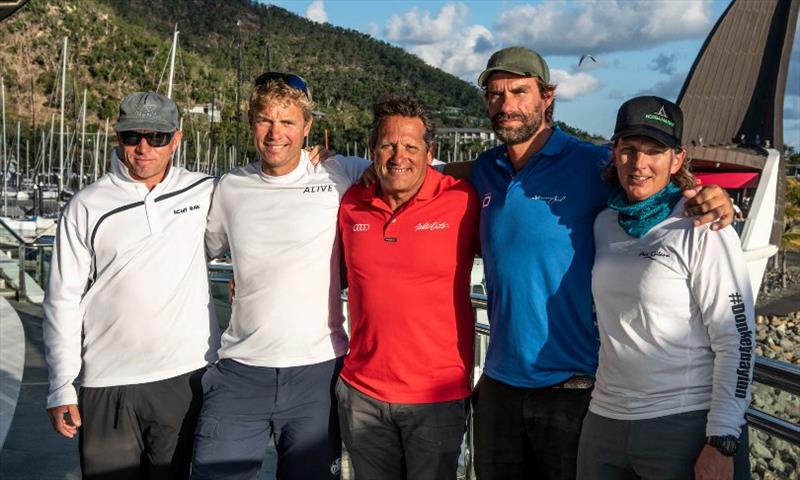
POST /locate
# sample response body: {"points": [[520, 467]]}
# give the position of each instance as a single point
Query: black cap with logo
{"points": [[652, 117]]}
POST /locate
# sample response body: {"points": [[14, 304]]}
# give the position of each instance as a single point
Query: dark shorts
{"points": [[656, 448], [139, 431], [243, 406], [397, 441], [522, 433]]}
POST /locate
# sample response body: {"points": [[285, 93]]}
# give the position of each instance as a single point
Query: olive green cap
{"points": [[517, 60]]}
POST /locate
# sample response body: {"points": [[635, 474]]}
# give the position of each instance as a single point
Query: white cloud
{"points": [[602, 26], [443, 40], [573, 85], [418, 28], [463, 55], [316, 12], [372, 29]]}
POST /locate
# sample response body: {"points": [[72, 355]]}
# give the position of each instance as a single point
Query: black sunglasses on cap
{"points": [[295, 81], [132, 138]]}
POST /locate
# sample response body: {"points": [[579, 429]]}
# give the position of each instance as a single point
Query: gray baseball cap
{"points": [[147, 111], [517, 60]]}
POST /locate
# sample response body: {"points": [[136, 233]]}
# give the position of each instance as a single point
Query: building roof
{"points": [[734, 91]]}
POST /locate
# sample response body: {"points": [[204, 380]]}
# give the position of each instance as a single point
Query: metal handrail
{"points": [[781, 375], [22, 246], [13, 233]]}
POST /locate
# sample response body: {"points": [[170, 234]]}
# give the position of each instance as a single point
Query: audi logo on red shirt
{"points": [[361, 227]]}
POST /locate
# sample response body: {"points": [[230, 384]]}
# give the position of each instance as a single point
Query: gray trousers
{"points": [[397, 441], [653, 449]]}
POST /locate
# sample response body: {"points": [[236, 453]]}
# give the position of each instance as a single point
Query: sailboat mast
{"points": [[96, 154], [5, 157], [61, 128], [105, 148], [172, 61], [18, 158], [83, 141]]}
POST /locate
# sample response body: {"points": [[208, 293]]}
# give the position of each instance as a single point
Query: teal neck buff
{"points": [[639, 217]]}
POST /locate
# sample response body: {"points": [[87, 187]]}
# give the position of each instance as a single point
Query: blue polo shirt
{"points": [[538, 251]]}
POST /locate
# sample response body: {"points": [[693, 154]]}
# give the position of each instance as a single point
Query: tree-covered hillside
{"points": [[118, 46]]}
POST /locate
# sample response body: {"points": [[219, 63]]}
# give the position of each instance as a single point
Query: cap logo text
{"points": [[660, 116]]}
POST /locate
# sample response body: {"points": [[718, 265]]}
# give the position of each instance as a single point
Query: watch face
{"points": [[727, 444]]}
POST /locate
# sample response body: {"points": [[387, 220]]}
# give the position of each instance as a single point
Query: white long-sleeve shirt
{"points": [[675, 315], [128, 297], [284, 244]]}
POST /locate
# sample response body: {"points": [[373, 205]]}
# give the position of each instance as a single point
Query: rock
{"points": [[760, 450], [786, 345], [777, 464]]}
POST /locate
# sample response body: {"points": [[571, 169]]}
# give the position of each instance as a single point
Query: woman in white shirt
{"points": [[675, 314]]}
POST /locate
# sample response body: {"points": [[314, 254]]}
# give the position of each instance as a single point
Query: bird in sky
{"points": [[586, 56]]}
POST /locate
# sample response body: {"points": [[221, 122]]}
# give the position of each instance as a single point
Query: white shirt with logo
{"points": [[127, 298], [675, 315], [283, 238]]}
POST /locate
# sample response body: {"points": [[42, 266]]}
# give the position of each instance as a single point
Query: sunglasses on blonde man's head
{"points": [[132, 138], [295, 81]]}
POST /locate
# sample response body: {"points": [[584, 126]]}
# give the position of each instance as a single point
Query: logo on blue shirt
{"points": [[550, 199]]}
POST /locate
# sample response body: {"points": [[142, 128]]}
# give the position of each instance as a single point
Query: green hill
{"points": [[118, 46]]}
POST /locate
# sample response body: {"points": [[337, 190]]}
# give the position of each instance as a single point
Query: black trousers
{"points": [[401, 441], [523, 433], [142, 431]]}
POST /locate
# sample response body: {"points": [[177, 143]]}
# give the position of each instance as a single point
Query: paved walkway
{"points": [[32, 449], [12, 364]]}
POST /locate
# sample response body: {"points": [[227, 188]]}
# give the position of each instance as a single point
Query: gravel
{"points": [[778, 338]]}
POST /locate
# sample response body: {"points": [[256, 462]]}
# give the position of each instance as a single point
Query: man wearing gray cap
{"points": [[128, 304], [540, 192]]}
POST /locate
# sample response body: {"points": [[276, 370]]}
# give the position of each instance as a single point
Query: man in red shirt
{"points": [[409, 241]]}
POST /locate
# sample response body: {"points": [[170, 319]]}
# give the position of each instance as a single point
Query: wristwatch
{"points": [[726, 444]]}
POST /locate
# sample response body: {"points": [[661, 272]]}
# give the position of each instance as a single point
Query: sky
{"points": [[641, 46]]}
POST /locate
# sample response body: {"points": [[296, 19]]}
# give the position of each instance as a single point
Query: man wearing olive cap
{"points": [[128, 304], [540, 192]]}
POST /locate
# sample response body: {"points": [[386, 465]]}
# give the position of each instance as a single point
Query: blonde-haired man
{"points": [[282, 351]]}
